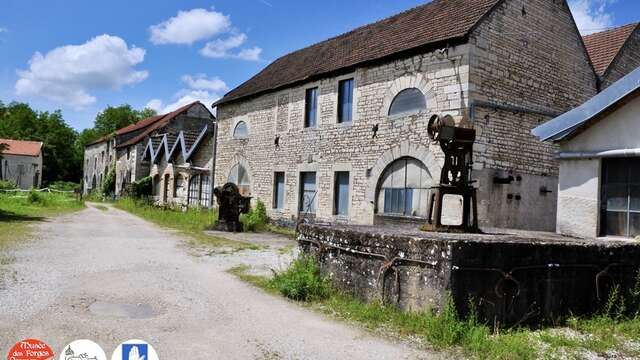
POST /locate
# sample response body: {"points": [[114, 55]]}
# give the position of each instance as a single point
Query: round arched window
{"points": [[241, 131], [408, 101], [403, 188], [239, 176]]}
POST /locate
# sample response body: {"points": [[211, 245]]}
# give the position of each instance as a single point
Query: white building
{"points": [[21, 163], [599, 142]]}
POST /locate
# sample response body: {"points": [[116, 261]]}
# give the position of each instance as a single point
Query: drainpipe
{"points": [[598, 154]]}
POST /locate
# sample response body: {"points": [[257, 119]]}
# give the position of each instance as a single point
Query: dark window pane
{"points": [[341, 193], [345, 101], [310, 105], [308, 192], [278, 190], [616, 196], [616, 171], [634, 224], [408, 202], [634, 197], [408, 101], [616, 223]]}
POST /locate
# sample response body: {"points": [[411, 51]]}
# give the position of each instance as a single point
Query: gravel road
{"points": [[109, 276]]}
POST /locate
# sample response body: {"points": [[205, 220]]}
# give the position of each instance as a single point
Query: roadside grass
{"points": [[280, 230], [603, 334], [19, 210], [192, 222]]}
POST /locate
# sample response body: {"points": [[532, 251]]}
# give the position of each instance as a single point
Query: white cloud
{"points": [[591, 15], [2, 29], [200, 82], [68, 73], [221, 48], [190, 26], [199, 88]]}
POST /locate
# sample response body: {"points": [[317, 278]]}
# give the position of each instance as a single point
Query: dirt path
{"points": [[109, 276]]}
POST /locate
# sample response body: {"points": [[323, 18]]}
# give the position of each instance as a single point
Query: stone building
{"points": [[338, 130], [126, 148], [180, 155], [614, 53], [599, 162], [99, 158], [21, 163]]}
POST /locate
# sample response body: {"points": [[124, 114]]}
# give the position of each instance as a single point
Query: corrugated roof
{"points": [[22, 147], [571, 122], [432, 23], [158, 122], [603, 47]]}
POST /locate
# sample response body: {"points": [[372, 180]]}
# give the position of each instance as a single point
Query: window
{"points": [[194, 191], [311, 107], [345, 101], [205, 191], [241, 131], [239, 176], [178, 187], [156, 185], [308, 192], [341, 193], [128, 152], [404, 188], [621, 197], [278, 190], [408, 101]]}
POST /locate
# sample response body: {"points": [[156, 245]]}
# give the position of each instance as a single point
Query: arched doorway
{"points": [[240, 176], [403, 189]]}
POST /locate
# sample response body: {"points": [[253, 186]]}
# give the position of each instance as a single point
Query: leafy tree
{"points": [[109, 183], [114, 118]]}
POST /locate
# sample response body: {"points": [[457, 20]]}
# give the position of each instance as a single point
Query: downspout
{"points": [[213, 162]]}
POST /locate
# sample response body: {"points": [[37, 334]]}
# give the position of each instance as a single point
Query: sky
{"points": [[81, 56]]}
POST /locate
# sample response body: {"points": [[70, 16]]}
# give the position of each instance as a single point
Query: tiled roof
{"points": [[21, 147], [154, 123], [428, 24], [604, 46], [139, 125]]}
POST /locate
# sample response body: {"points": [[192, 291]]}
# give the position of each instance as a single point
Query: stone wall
{"points": [[129, 166], [24, 171], [334, 147], [627, 60], [527, 64], [98, 159]]}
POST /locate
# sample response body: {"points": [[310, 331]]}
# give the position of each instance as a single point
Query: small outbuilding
{"points": [[599, 154], [21, 163]]}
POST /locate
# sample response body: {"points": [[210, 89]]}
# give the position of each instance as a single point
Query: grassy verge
{"points": [[191, 223], [19, 210], [603, 335]]}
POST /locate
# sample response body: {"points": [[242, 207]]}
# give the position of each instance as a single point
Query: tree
{"points": [[114, 118]]}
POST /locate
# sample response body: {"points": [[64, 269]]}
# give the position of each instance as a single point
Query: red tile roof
{"points": [[428, 24], [21, 147], [139, 125], [604, 46], [153, 123]]}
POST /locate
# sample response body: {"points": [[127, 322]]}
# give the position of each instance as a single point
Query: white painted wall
{"points": [[22, 170], [579, 185]]}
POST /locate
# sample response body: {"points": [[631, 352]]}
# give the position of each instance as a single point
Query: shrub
{"points": [[142, 188], [256, 219], [7, 185], [35, 197], [109, 183], [64, 186], [302, 281]]}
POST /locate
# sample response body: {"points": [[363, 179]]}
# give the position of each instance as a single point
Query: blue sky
{"points": [[80, 56]]}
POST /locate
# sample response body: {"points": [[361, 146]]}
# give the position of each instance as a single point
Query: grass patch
{"points": [[284, 231], [192, 222], [101, 207], [602, 334], [19, 210]]}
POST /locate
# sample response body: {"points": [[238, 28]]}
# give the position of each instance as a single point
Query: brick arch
{"points": [[417, 81], [404, 149]]}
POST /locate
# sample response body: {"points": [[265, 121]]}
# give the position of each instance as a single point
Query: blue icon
{"points": [[135, 351]]}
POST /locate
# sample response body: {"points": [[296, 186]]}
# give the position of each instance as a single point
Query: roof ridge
{"points": [[632, 24]]}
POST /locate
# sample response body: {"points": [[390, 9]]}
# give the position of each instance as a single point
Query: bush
{"points": [[302, 281], [256, 219], [142, 188], [109, 183], [7, 185], [35, 197], [64, 186]]}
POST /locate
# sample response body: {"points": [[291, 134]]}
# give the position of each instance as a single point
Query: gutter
{"points": [[573, 155]]}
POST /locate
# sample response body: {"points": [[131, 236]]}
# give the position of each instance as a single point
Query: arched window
{"points": [[404, 188], [408, 101], [239, 176], [156, 185], [241, 131]]}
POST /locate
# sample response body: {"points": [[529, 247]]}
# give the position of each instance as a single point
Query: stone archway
{"points": [[240, 161], [417, 81], [404, 149]]}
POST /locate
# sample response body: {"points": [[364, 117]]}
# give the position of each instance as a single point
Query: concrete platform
{"points": [[511, 277]]}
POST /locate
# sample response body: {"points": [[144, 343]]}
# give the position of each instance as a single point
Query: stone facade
{"points": [[129, 165], [22, 170], [627, 60], [502, 85], [99, 157]]}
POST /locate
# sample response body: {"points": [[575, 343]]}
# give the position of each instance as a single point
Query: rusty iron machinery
{"points": [[230, 205], [457, 145]]}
